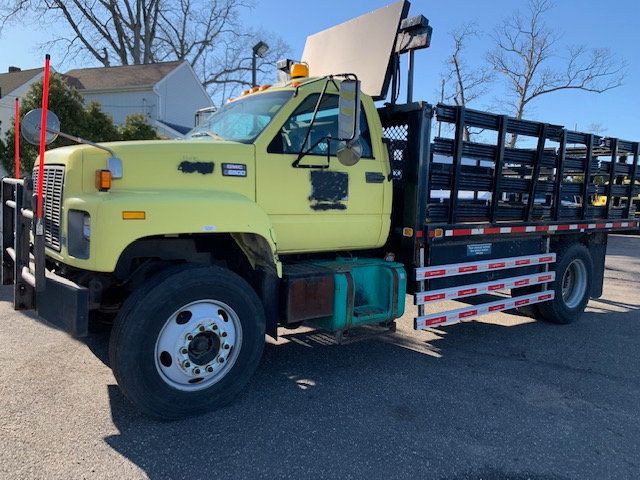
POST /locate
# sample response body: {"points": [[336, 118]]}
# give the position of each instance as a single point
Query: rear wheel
{"points": [[572, 286], [187, 341]]}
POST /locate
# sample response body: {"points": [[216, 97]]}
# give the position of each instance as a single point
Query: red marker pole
{"points": [[43, 141], [17, 139]]}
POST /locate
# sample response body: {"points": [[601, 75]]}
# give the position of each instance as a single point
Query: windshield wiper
{"points": [[206, 133]]}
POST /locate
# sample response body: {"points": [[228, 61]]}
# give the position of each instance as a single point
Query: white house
{"points": [[168, 93], [14, 84]]}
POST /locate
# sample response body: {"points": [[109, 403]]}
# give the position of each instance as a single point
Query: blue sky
{"points": [[610, 24]]}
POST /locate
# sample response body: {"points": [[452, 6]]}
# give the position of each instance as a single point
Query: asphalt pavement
{"points": [[504, 397]]}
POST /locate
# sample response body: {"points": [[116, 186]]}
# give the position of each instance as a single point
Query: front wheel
{"points": [[572, 286], [187, 341]]}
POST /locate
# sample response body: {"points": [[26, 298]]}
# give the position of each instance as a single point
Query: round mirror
{"points": [[30, 126], [349, 153]]}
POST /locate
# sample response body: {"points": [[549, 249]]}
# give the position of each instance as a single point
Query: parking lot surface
{"points": [[504, 397]]}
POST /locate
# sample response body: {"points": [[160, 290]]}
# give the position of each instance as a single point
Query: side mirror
{"points": [[349, 149], [30, 126]]}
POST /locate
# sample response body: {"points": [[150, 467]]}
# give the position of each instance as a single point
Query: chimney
{"points": [[13, 69]]}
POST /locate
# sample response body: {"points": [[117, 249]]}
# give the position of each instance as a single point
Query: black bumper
{"points": [[56, 299]]}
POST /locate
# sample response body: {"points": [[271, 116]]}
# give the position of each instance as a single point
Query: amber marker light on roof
{"points": [[132, 215]]}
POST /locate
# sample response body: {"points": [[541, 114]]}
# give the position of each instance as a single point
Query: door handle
{"points": [[374, 177]]}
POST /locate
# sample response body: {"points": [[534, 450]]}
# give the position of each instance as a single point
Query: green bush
{"points": [[136, 128], [88, 122]]}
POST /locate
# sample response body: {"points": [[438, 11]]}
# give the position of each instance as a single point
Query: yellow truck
{"points": [[303, 202]]}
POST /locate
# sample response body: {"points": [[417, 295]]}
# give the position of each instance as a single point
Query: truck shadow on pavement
{"points": [[532, 401]]}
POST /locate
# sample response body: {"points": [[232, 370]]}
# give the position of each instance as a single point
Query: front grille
{"points": [[52, 208]]}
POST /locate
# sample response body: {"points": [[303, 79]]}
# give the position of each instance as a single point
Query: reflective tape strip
{"points": [[453, 293], [465, 232], [454, 269], [455, 316]]}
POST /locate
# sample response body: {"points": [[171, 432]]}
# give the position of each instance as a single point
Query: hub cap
{"points": [[198, 345], [574, 283]]}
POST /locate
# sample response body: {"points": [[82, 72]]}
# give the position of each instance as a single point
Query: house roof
{"points": [[127, 76], [12, 80]]}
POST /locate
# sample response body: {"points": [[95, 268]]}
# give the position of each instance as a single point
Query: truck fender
{"points": [[175, 213]]}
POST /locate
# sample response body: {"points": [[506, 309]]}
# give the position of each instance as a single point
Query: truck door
{"points": [[312, 209]]}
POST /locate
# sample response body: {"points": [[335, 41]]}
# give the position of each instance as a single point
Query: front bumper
{"points": [[57, 300]]}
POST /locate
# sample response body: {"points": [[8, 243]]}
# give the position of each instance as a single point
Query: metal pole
{"points": [[410, 78], [254, 80], [441, 101]]}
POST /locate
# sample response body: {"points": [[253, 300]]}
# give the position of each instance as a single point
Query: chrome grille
{"points": [[52, 208]]}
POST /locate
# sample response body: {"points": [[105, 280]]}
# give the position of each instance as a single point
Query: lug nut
{"points": [[214, 326], [196, 371], [226, 346], [224, 334], [221, 360], [209, 369], [201, 328], [184, 351], [187, 364], [189, 337]]}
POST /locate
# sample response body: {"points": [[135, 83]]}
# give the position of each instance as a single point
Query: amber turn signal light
{"points": [[129, 215], [103, 180]]}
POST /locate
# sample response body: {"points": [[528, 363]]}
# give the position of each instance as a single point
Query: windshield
{"points": [[242, 120]]}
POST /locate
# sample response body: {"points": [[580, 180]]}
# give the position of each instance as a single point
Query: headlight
{"points": [[79, 226]]}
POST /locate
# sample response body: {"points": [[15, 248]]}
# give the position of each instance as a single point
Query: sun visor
{"points": [[364, 45]]}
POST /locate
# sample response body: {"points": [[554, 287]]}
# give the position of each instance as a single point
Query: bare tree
{"points": [[132, 32], [527, 55], [597, 128], [464, 83]]}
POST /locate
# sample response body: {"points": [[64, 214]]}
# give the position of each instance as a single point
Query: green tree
{"points": [[137, 128], [98, 125]]}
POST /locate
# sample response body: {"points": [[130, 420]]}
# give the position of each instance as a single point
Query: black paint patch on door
{"points": [[329, 190]]}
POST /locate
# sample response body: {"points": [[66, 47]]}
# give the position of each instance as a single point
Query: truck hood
{"points": [[201, 164]]}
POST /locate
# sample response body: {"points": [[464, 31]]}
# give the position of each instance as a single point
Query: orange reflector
{"points": [[128, 215], [295, 84], [438, 233], [245, 92], [254, 89], [103, 180], [407, 232], [264, 87]]}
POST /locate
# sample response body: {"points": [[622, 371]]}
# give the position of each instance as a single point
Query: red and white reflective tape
{"points": [[454, 269], [464, 291], [455, 316], [581, 227]]}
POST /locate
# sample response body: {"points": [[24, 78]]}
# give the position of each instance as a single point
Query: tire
{"points": [[187, 341], [572, 286]]}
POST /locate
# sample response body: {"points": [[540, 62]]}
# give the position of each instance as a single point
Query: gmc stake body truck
{"points": [[304, 203]]}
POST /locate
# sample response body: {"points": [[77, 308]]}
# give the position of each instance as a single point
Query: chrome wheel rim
{"points": [[198, 345], [574, 283]]}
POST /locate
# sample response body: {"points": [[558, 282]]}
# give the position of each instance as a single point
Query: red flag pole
{"points": [[43, 140], [17, 139]]}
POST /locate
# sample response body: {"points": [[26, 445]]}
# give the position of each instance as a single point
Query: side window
{"points": [[291, 136]]}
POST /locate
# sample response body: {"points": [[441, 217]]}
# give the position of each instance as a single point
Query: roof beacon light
{"points": [[299, 70]]}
